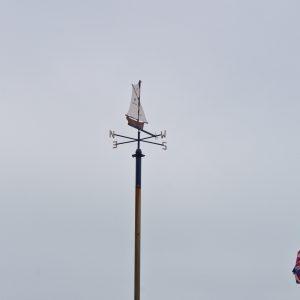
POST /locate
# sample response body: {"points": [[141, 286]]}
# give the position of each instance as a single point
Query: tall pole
{"points": [[137, 241], [133, 118]]}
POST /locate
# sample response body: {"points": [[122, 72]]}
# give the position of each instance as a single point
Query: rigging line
{"points": [[139, 101], [135, 91], [139, 104], [138, 96]]}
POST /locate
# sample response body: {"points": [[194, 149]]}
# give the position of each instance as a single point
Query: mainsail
{"points": [[136, 116]]}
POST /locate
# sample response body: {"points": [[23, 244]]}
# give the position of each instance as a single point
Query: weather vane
{"points": [[136, 118]]}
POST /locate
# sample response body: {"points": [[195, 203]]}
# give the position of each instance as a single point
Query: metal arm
{"points": [[139, 139]]}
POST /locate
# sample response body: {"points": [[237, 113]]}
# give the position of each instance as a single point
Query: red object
{"points": [[296, 269]]}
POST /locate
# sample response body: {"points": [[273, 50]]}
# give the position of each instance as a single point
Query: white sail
{"points": [[135, 109]]}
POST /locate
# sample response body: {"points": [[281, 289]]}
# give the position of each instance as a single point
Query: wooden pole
{"points": [[137, 241]]}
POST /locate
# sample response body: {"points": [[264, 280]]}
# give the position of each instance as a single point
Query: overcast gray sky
{"points": [[220, 208]]}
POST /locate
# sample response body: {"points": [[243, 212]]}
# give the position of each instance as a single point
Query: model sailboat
{"points": [[136, 116]]}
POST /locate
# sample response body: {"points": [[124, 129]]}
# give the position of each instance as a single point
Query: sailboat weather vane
{"points": [[136, 118]]}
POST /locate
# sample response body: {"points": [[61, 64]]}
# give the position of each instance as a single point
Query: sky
{"points": [[220, 207]]}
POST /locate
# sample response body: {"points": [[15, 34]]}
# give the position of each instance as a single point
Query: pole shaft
{"points": [[137, 241], [137, 255]]}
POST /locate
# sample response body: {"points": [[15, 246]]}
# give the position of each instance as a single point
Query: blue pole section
{"points": [[137, 241]]}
